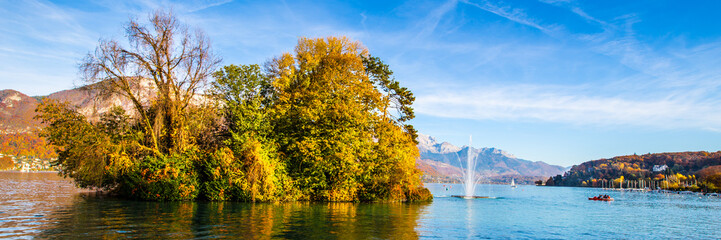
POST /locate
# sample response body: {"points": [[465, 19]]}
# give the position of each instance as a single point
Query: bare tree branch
{"points": [[177, 70]]}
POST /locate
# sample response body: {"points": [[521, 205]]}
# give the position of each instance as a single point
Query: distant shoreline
{"points": [[18, 171]]}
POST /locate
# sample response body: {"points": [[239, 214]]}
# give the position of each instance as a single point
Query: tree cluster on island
{"points": [[327, 122], [696, 171]]}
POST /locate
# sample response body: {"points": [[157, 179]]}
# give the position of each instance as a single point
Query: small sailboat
{"points": [[513, 183]]}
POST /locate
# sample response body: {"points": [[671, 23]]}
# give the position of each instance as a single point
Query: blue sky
{"points": [[559, 81]]}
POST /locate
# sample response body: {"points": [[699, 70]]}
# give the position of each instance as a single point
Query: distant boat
{"points": [[513, 183], [607, 199]]}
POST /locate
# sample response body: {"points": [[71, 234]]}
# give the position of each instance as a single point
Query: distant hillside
{"points": [[638, 167], [446, 160], [17, 109], [19, 131], [93, 107], [16, 112], [86, 103]]}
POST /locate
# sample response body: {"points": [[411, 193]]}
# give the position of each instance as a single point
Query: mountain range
{"points": [[17, 109], [442, 160]]}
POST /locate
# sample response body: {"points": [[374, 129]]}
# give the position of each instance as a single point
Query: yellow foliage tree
{"points": [[331, 112], [681, 177], [618, 180]]}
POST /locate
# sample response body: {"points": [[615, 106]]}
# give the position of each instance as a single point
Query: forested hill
{"points": [[655, 166]]}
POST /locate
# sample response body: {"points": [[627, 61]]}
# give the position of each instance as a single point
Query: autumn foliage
{"points": [[26, 144], [679, 167], [327, 122], [6, 163]]}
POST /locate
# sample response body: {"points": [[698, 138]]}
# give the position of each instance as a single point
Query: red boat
{"points": [[601, 198]]}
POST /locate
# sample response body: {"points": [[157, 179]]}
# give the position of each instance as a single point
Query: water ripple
{"points": [[33, 206]]}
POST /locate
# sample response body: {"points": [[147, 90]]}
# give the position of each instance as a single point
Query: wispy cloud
{"points": [[429, 24], [363, 20], [136, 7], [21, 53], [202, 5], [42, 41], [59, 26], [41, 44], [571, 105], [618, 39], [667, 89], [513, 14]]}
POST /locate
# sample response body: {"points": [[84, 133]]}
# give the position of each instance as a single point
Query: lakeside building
{"points": [[661, 168], [26, 163]]}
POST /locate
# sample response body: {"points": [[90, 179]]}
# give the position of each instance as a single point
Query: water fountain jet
{"points": [[470, 180]]}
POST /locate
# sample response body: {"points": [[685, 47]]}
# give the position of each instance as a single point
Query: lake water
{"points": [[42, 205]]}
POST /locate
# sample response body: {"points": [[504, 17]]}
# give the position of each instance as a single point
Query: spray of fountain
{"points": [[469, 183], [470, 180]]}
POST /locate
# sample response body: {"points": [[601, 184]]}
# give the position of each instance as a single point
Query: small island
{"points": [[327, 122]]}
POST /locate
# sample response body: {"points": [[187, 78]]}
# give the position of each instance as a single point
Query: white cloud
{"points": [[571, 105]]}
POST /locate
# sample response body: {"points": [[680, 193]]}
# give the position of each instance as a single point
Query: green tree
{"points": [[257, 174], [395, 97]]}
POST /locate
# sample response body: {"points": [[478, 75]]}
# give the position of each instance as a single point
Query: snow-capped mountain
{"points": [[447, 159]]}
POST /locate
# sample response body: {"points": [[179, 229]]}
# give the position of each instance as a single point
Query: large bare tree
{"points": [[161, 71]]}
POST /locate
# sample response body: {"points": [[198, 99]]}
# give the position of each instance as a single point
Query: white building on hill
{"points": [[657, 168]]}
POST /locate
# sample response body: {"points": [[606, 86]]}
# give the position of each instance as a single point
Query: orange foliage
{"points": [[6, 163], [709, 171], [26, 144]]}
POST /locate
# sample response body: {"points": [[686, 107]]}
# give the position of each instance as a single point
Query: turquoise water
{"points": [[566, 213], [41, 205]]}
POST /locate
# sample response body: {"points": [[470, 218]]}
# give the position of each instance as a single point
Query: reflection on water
{"points": [[470, 219], [46, 206], [26, 200], [42, 205], [183, 220]]}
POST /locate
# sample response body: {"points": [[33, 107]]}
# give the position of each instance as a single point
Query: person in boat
{"points": [[606, 196]]}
